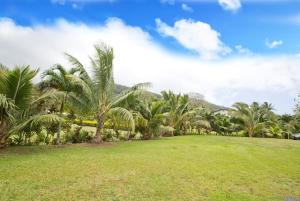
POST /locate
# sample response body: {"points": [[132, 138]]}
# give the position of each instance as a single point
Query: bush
{"points": [[78, 134], [108, 135]]}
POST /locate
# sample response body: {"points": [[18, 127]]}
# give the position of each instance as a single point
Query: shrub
{"points": [[78, 134]]}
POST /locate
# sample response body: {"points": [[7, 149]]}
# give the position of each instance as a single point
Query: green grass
{"points": [[179, 168]]}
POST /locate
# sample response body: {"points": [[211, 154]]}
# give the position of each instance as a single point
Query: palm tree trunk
{"points": [[59, 123], [250, 133], [58, 133], [100, 125], [3, 134]]}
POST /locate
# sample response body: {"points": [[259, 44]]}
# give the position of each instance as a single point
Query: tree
{"points": [[17, 97], [250, 116], [274, 131], [69, 89], [177, 110], [150, 118], [289, 124], [200, 120], [102, 101]]}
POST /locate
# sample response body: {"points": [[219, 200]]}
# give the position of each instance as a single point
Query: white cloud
{"points": [[273, 44], [195, 35], [231, 5], [242, 50], [138, 59], [62, 2], [186, 8]]}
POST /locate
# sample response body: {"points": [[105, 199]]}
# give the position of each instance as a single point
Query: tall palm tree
{"points": [[17, 97], [69, 88], [101, 100]]}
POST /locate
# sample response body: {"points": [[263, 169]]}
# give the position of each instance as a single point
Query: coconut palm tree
{"points": [[17, 97], [178, 110], [274, 131], [199, 121], [68, 87], [250, 116], [289, 124], [102, 100], [150, 118]]}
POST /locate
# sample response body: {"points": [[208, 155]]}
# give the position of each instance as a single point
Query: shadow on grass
{"points": [[41, 149]]}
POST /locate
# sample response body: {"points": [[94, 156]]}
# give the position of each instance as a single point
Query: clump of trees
{"points": [[77, 106]]}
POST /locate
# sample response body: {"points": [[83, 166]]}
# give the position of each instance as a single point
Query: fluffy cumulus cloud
{"points": [[231, 5], [195, 35], [273, 44], [138, 58]]}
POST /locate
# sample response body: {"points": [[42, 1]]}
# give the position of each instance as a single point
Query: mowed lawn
{"points": [[170, 169]]}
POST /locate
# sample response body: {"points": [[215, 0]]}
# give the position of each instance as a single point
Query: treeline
{"points": [[70, 106]]}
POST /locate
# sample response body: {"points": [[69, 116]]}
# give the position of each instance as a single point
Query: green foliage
{"points": [[19, 103], [102, 102], [78, 135], [116, 112]]}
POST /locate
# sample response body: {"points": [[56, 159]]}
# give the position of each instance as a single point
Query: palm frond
{"points": [[124, 114], [78, 67], [102, 64], [50, 94], [125, 95], [19, 87], [40, 119], [7, 108]]}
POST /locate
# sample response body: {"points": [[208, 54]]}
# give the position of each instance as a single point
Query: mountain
{"points": [[196, 98]]}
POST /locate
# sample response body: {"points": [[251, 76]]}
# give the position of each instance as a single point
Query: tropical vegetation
{"points": [[70, 104]]}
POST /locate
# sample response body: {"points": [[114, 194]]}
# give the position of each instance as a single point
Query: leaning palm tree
{"points": [[102, 101], [17, 97], [68, 87]]}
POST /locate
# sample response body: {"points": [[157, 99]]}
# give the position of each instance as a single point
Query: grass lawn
{"points": [[170, 169]]}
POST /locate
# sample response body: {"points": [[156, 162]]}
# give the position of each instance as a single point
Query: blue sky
{"points": [[251, 25], [220, 44]]}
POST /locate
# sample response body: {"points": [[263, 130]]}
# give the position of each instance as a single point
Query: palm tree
{"points": [[102, 100], [250, 116], [177, 110], [69, 88], [274, 131], [199, 121], [150, 118], [289, 124], [17, 97]]}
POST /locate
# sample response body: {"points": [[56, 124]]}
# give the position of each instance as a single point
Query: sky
{"points": [[227, 50]]}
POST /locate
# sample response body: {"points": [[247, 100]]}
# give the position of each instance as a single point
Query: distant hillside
{"points": [[210, 106], [196, 99]]}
